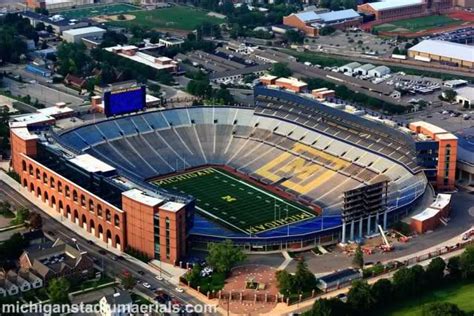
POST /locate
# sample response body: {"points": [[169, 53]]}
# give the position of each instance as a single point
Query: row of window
{"points": [[49, 181]]}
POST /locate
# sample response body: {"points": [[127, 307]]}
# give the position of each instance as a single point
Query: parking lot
{"points": [[353, 43], [448, 116]]}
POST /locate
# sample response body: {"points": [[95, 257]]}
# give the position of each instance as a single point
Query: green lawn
{"points": [[459, 294], [176, 17], [108, 9], [234, 202], [417, 24]]}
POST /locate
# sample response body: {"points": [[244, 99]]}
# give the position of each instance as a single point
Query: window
{"points": [[83, 200], [66, 191], [51, 183], [74, 196], [91, 206], [99, 210], [45, 178], [30, 167], [60, 187], [108, 216], [38, 174], [117, 221], [23, 165]]}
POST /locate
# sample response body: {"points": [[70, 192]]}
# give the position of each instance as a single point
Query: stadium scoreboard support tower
{"points": [[364, 203]]}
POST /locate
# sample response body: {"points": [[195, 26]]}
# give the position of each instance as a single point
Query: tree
{"points": [[408, 281], [450, 95], [40, 26], [329, 307], [454, 267], [127, 280], [381, 291], [223, 256], [304, 280], [58, 290], [284, 282], [396, 51], [49, 29], [35, 220], [467, 262], [434, 273], [194, 275], [154, 89], [293, 36], [280, 70], [326, 30], [360, 297], [358, 260], [442, 309]]}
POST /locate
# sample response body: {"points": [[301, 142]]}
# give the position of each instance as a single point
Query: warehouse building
{"points": [[389, 10], [57, 22], [311, 22], [364, 69], [465, 96], [76, 35], [443, 52], [57, 4], [350, 67], [379, 71]]}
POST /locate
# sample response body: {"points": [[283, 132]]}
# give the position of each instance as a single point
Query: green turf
{"points": [[108, 9], [459, 294], [417, 24], [176, 17], [234, 202]]}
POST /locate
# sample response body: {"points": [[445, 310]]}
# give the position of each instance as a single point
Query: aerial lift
{"points": [[386, 246]]}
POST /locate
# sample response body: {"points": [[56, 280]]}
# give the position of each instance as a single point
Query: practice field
{"points": [[417, 24], [176, 17], [459, 294], [107, 9], [234, 202]]}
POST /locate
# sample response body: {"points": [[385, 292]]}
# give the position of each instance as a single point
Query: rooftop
{"points": [[390, 4], [428, 126], [334, 16], [338, 275], [84, 30], [466, 92], [140, 196], [91, 164], [426, 214], [442, 200], [292, 81], [307, 16], [172, 206], [446, 49]]}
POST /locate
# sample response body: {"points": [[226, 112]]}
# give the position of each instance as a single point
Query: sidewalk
{"points": [[172, 273]]}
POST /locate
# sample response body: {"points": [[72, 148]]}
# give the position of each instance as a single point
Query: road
{"points": [[108, 264]]}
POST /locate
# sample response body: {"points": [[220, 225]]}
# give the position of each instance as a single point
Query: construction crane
{"points": [[386, 247]]}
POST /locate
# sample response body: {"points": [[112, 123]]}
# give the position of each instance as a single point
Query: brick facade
{"points": [[95, 215]]}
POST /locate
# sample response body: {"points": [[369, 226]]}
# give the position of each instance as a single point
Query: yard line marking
{"points": [[266, 193]]}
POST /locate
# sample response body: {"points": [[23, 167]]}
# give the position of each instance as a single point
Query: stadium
{"points": [[270, 177]]}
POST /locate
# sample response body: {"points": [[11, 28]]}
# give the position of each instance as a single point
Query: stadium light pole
{"points": [[287, 223]]}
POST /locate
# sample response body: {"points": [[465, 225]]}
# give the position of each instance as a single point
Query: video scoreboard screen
{"points": [[124, 100]]}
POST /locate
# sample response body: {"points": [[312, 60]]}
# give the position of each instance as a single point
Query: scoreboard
{"points": [[123, 101]]}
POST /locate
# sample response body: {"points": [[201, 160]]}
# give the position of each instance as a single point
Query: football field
{"points": [[235, 202], [106, 9]]}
